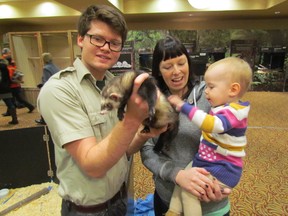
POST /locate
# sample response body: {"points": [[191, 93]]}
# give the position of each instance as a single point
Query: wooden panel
{"points": [[27, 48], [31, 95], [26, 55]]}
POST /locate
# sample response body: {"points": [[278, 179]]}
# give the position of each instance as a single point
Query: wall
{"points": [[282, 23], [212, 24]]}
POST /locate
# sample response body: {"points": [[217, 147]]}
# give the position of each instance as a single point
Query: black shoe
{"points": [[6, 114], [31, 109], [40, 121], [14, 122]]}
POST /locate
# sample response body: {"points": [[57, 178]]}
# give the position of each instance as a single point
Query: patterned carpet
{"points": [[263, 190], [26, 120]]}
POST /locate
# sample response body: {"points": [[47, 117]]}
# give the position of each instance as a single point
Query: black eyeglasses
{"points": [[98, 41]]}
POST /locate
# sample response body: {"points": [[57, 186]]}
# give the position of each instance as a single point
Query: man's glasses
{"points": [[98, 41]]}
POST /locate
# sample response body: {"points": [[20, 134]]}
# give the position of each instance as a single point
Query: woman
{"points": [[171, 67]]}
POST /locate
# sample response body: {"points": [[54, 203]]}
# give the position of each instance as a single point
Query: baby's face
{"points": [[218, 84]]}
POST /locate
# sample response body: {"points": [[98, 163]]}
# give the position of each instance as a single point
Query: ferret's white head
{"points": [[109, 102]]}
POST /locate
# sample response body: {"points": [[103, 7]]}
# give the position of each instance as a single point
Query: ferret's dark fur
{"points": [[116, 93]]}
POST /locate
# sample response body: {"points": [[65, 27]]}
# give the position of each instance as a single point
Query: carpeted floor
{"points": [[26, 120], [263, 189]]}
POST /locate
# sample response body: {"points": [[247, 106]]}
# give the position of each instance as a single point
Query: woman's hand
{"points": [[216, 194], [196, 181]]}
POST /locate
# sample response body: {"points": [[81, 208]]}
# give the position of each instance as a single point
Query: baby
{"points": [[223, 137]]}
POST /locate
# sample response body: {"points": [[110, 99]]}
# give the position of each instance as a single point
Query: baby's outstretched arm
{"points": [[176, 101]]}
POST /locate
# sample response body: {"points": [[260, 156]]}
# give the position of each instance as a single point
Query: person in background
{"points": [[223, 139], [15, 85], [5, 90], [92, 149], [171, 68], [6, 53], [49, 70]]}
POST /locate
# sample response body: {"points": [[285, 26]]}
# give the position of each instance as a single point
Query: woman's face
{"points": [[175, 73]]}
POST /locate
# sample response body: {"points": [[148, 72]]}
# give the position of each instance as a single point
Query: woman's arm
{"points": [[159, 164], [193, 180], [141, 138]]}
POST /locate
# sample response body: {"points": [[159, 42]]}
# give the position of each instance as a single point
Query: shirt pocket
{"points": [[98, 123]]}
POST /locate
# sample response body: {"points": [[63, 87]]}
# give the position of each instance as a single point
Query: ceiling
{"points": [[35, 12]]}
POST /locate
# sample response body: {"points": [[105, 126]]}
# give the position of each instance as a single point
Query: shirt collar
{"points": [[83, 72]]}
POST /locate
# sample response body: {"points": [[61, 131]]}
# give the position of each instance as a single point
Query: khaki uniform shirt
{"points": [[70, 105]]}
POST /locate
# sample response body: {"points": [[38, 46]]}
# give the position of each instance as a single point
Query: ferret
{"points": [[116, 93]]}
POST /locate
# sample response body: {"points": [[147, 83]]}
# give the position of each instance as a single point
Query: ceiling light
{"points": [[199, 4], [6, 11], [48, 9]]}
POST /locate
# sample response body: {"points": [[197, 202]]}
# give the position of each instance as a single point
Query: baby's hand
{"points": [[176, 101]]}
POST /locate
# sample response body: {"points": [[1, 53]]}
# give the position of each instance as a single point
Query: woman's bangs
{"points": [[172, 52]]}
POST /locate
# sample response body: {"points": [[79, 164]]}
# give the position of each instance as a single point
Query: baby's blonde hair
{"points": [[239, 71]]}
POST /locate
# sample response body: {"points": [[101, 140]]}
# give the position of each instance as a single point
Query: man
{"points": [[91, 149], [16, 78], [5, 90]]}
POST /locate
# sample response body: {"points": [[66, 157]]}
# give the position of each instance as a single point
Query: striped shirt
{"points": [[223, 139]]}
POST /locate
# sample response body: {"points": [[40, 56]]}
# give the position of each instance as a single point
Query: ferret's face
{"points": [[107, 105], [109, 102]]}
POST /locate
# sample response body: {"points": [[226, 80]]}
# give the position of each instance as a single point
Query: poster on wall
{"points": [[124, 63], [126, 59]]}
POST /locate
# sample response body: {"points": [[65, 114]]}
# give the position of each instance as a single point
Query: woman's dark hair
{"points": [[106, 14], [167, 48]]}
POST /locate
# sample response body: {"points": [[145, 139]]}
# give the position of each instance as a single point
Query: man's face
{"points": [[99, 59]]}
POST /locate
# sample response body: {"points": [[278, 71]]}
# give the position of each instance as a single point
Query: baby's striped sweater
{"points": [[223, 139]]}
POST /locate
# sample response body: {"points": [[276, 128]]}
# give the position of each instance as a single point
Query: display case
{"points": [[199, 63], [245, 49], [145, 61], [273, 57], [214, 54]]}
